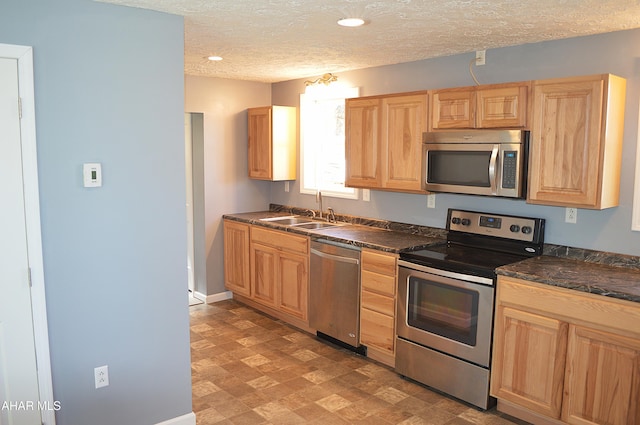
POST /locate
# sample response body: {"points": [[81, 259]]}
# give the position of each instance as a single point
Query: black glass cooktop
{"points": [[462, 259]]}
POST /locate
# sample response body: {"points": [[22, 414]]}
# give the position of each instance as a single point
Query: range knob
{"points": [[466, 222], [514, 228], [455, 220], [526, 230]]}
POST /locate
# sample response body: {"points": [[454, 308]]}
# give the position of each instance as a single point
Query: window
{"points": [[322, 111]]}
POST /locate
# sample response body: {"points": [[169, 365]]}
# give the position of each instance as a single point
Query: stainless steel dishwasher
{"points": [[334, 302]]}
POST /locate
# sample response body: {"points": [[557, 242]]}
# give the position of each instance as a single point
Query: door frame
{"points": [[24, 57]]}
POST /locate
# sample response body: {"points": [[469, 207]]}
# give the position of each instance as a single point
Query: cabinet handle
{"points": [[492, 169]]}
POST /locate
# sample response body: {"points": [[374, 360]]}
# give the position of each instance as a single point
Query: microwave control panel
{"points": [[509, 169]]}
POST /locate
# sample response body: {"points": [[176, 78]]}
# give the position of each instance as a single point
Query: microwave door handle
{"points": [[492, 169]]}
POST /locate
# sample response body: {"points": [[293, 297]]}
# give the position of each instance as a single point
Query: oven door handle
{"points": [[445, 273], [492, 169]]}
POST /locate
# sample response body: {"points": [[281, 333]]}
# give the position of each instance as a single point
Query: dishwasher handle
{"points": [[335, 257]]}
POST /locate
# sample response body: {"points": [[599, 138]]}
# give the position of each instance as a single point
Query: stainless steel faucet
{"points": [[331, 215], [319, 200]]}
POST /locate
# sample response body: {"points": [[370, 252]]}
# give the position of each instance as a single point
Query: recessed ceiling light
{"points": [[351, 22], [214, 58]]}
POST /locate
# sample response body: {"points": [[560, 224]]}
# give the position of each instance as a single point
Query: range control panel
{"points": [[502, 226]]}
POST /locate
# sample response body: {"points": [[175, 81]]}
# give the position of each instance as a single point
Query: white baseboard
{"points": [[226, 295], [188, 419]]}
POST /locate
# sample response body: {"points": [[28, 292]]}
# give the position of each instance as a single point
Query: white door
{"points": [[18, 374]]}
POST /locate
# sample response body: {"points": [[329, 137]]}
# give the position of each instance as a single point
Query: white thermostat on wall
{"points": [[92, 173]]}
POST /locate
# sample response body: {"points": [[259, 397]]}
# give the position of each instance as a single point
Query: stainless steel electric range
{"points": [[446, 301]]}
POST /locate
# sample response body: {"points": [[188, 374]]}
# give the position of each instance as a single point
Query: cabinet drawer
{"points": [[280, 240], [379, 262], [569, 305], [380, 303], [379, 283], [377, 330]]}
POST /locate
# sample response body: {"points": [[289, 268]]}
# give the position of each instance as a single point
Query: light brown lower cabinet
{"points": [[378, 305], [563, 356], [280, 271], [269, 270], [236, 257]]}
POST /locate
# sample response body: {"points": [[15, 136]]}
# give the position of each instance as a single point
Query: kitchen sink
{"points": [[288, 220], [301, 222], [316, 225]]}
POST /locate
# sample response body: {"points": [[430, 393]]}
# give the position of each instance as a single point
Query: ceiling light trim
{"points": [[351, 22]]}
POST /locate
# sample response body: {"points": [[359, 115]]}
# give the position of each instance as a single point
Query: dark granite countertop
{"points": [[595, 278], [365, 236], [601, 273]]}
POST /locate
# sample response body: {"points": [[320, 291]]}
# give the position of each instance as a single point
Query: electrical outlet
{"points": [[101, 375], [286, 186], [366, 195], [571, 215], [431, 200], [480, 57]]}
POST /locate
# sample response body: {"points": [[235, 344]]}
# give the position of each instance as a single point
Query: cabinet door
{"points": [[603, 378], [263, 274], [529, 357], [453, 108], [362, 143], [504, 107], [259, 148], [565, 143], [294, 281], [236, 257], [404, 122]]}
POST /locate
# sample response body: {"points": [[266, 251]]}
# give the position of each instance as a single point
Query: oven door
{"points": [[440, 310], [492, 169]]}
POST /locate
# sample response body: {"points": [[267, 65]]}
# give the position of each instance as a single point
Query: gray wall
{"points": [[227, 187], [616, 53], [109, 89]]}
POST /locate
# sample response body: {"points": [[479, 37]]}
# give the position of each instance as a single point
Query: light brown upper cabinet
{"points": [[487, 106], [384, 142], [362, 142], [576, 141], [272, 143]]}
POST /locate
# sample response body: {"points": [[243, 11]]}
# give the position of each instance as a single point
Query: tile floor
{"points": [[249, 368]]}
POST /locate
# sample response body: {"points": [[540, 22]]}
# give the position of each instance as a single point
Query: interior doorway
{"points": [[188, 160], [194, 167]]}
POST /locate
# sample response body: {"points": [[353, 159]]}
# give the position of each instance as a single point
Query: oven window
{"points": [[444, 310], [463, 168]]}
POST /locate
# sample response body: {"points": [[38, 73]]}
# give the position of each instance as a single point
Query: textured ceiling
{"points": [[278, 40]]}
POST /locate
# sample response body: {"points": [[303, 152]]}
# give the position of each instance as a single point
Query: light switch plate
{"points": [[92, 174]]}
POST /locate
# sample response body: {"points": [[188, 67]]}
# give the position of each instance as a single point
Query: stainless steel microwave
{"points": [[477, 162]]}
